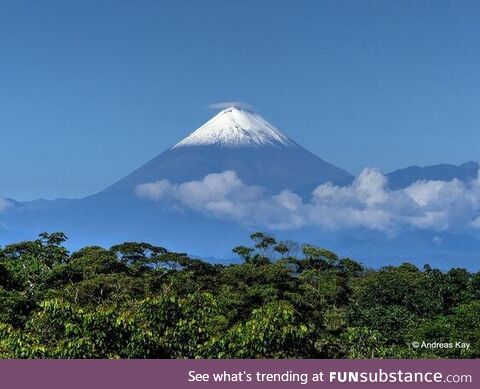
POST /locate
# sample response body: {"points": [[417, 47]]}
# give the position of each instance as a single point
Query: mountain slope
{"points": [[242, 141]]}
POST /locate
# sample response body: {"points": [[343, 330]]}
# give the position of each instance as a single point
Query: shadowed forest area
{"points": [[136, 300]]}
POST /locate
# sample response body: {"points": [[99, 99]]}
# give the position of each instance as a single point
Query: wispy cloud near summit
{"points": [[228, 104]]}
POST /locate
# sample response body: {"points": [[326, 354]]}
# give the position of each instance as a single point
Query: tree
{"points": [[316, 258], [137, 254], [244, 252], [273, 331], [137, 300]]}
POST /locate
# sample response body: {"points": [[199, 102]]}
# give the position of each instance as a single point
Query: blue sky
{"points": [[90, 90]]}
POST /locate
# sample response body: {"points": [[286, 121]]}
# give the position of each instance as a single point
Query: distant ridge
{"points": [[442, 172]]}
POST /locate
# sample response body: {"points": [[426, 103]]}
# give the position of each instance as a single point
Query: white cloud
{"points": [[219, 194], [367, 203], [154, 190]]}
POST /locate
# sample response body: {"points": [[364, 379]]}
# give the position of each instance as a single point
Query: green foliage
{"points": [[273, 331], [462, 324], [136, 300]]}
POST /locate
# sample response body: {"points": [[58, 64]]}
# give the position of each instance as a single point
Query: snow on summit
{"points": [[235, 127]]}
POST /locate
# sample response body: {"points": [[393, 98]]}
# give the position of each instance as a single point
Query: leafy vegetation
{"points": [[136, 300]]}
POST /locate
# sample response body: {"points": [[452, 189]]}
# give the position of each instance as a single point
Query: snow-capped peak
{"points": [[236, 127]]}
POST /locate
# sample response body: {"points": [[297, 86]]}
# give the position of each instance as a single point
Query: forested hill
{"points": [[135, 300]]}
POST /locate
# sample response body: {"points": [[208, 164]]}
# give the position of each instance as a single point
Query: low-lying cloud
{"points": [[367, 203]]}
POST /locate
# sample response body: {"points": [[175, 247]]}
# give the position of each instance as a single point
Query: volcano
{"points": [[239, 150], [239, 140], [235, 140]]}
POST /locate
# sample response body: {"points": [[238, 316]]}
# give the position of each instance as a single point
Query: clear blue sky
{"points": [[90, 90]]}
